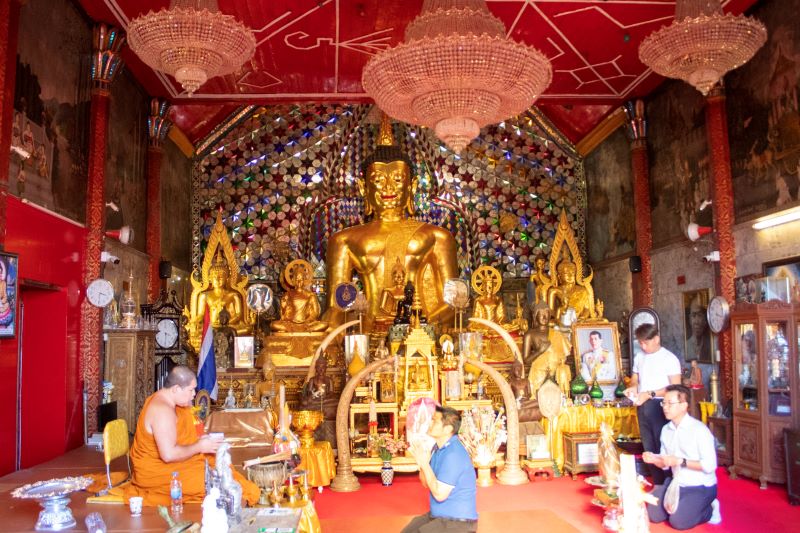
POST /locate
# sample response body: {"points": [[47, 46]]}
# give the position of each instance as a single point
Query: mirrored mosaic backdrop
{"points": [[285, 179]]}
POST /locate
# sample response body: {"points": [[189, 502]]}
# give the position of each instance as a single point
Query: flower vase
{"points": [[387, 473], [485, 476]]}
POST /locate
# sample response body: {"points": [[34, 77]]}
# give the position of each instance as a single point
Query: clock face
{"points": [[100, 292], [644, 315], [718, 313], [166, 333]]}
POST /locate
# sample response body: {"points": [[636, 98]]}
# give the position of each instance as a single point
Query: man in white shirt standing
{"points": [[687, 447], [654, 369]]}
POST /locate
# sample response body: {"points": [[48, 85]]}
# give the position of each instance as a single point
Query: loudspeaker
{"points": [[164, 270], [635, 263]]}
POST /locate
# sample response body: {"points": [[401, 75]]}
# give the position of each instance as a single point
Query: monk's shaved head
{"points": [[179, 375]]}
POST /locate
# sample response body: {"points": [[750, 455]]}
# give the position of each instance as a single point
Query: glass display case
{"points": [[765, 373]]}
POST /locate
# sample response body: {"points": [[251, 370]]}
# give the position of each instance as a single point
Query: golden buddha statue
{"points": [[426, 252], [545, 350], [419, 378], [299, 305], [539, 279], [393, 295], [567, 287], [218, 287], [486, 281]]}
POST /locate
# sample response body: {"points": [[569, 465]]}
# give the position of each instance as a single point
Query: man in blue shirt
{"points": [[447, 472]]}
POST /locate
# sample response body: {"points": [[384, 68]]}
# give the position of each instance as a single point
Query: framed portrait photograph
{"points": [[8, 294], [243, 352], [784, 279], [597, 353], [698, 341]]}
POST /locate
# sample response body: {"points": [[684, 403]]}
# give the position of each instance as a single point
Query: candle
{"points": [[373, 412]]}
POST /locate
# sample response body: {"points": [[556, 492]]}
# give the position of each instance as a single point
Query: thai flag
{"points": [[207, 368]]}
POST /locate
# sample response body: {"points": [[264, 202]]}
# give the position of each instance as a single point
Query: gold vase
{"points": [[305, 423]]}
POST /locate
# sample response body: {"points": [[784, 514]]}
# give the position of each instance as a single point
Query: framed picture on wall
{"points": [[597, 352], [788, 269], [8, 294], [698, 342]]}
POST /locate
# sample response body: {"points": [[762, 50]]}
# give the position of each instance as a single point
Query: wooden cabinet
{"points": [[129, 366], [765, 399]]}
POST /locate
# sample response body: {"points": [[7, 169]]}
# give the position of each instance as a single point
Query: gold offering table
{"points": [[318, 462], [586, 418]]}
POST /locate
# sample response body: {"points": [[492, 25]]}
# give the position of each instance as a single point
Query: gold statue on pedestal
{"points": [[218, 286], [392, 296], [426, 252], [299, 305], [566, 287], [486, 282]]}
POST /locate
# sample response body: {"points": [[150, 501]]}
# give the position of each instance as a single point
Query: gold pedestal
{"points": [[512, 475], [305, 423], [290, 349], [485, 476], [345, 482]]}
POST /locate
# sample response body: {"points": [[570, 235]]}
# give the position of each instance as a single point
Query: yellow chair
{"points": [[116, 443]]}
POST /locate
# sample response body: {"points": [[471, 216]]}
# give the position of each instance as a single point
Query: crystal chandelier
{"points": [[456, 72], [702, 44], [192, 41]]}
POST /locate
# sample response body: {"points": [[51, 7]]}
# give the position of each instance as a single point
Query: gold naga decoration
{"points": [[218, 255]]}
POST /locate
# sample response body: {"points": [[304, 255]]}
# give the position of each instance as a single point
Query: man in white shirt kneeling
{"points": [[687, 447]]}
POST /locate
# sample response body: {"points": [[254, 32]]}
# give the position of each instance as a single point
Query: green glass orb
{"points": [[596, 392], [578, 386], [619, 392]]}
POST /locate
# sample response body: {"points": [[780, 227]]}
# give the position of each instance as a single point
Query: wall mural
{"points": [[51, 120], [176, 218], [126, 155], [679, 168], [611, 227], [284, 179], [764, 117]]}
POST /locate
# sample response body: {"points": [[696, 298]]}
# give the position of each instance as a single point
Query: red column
{"points": [[9, 31], [106, 62], [642, 283], [157, 128], [722, 196]]}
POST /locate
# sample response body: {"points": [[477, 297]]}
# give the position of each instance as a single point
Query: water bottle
{"points": [[95, 524], [176, 494]]}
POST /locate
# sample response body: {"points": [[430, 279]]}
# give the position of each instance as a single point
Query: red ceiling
{"points": [[314, 50]]}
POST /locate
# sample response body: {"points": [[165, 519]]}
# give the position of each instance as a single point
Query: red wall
{"points": [[50, 251]]}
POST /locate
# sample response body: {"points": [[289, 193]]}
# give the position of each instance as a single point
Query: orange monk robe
{"points": [[151, 476]]}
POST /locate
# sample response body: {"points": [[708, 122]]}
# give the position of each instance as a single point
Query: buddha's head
{"points": [[224, 317], [567, 270], [409, 291], [517, 369], [540, 314], [218, 272], [388, 186]]}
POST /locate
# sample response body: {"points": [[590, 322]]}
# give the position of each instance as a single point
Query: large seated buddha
{"points": [[426, 253]]}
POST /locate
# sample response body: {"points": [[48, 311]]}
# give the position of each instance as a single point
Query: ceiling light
{"points": [[191, 41], [456, 72], [702, 44], [776, 219]]}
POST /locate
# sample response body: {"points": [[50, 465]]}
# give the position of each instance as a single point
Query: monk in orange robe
{"points": [[166, 441]]}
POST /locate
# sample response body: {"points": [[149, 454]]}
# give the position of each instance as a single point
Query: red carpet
{"points": [[557, 505]]}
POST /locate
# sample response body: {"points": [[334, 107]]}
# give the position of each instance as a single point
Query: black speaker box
{"points": [[635, 264], [164, 270]]}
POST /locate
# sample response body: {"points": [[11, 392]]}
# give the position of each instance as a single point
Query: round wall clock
{"points": [[166, 333], [100, 292], [718, 314]]}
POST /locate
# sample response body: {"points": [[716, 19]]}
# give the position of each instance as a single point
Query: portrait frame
{"points": [[698, 341], [607, 372], [788, 268], [537, 447], [9, 279], [243, 351]]}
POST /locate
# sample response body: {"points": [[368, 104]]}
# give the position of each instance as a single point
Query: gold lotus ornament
{"points": [[305, 423]]}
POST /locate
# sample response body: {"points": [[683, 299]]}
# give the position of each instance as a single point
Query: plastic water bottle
{"points": [[95, 524], [176, 494]]}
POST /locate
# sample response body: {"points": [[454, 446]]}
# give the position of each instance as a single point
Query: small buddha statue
{"points": [[224, 337], [319, 387], [220, 295], [230, 399], [299, 305], [419, 378], [539, 279], [568, 294], [487, 281], [393, 295], [427, 252], [527, 404], [405, 306], [544, 349], [266, 387]]}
